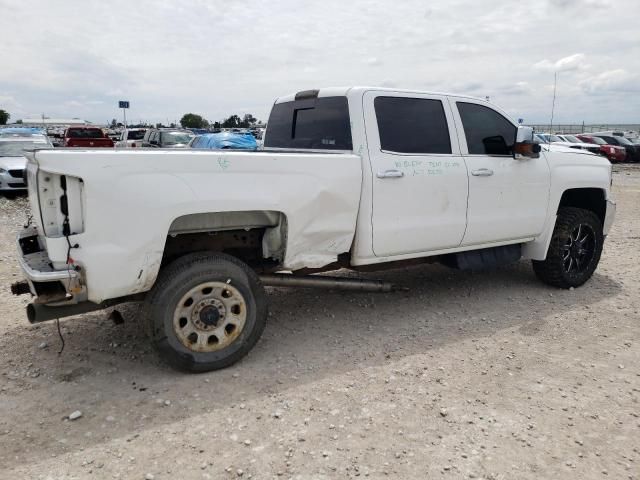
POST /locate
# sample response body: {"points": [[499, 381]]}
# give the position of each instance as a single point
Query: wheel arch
{"points": [[592, 199], [588, 198], [248, 235]]}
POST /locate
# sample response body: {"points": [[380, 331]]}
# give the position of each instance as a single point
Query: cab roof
{"points": [[346, 91]]}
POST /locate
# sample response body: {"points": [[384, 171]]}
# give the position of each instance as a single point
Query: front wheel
{"points": [[206, 311], [574, 250]]}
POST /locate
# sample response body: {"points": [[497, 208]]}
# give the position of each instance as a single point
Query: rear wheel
{"points": [[206, 311], [574, 251]]}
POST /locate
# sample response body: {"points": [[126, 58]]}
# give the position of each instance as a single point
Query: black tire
{"points": [[215, 272], [565, 266]]}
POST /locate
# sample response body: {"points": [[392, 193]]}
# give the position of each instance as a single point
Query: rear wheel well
{"points": [[245, 245], [258, 238], [592, 199]]}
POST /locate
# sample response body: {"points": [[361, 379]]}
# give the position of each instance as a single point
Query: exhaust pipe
{"points": [[342, 283], [37, 313]]}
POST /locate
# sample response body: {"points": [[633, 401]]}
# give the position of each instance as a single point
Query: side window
{"points": [[412, 125], [487, 132]]}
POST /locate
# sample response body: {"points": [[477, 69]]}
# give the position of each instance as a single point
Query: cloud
{"points": [[518, 88], [79, 58], [572, 62], [611, 81], [566, 4]]}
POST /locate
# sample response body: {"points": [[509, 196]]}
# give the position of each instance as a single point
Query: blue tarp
{"points": [[230, 140]]}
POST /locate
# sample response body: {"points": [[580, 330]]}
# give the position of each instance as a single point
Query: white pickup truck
{"points": [[348, 178]]}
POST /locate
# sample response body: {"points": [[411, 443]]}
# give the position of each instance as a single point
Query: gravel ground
{"points": [[490, 375]]}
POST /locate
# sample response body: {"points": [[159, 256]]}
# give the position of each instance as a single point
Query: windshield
{"points": [[173, 138], [573, 139], [84, 133], [549, 138], [16, 149], [135, 134], [624, 141]]}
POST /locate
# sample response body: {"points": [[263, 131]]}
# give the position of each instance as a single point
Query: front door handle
{"points": [[482, 172], [390, 174]]}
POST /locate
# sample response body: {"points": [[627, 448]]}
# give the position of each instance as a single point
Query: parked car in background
{"points": [[86, 137], [22, 131], [131, 138], [572, 139], [556, 146], [13, 161], [167, 138], [628, 134], [114, 135], [562, 141], [614, 153], [225, 140], [199, 131], [633, 152]]}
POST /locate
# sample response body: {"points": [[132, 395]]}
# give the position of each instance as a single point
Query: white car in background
{"points": [[131, 138], [567, 141], [13, 161]]}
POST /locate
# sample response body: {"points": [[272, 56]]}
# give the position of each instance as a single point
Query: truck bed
{"points": [[131, 198]]}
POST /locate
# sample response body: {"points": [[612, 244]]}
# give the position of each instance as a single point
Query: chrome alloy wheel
{"points": [[210, 316]]}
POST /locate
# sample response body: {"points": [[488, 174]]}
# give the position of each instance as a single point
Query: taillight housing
{"points": [[61, 200]]}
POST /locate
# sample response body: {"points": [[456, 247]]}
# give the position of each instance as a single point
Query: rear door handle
{"points": [[482, 172], [390, 174]]}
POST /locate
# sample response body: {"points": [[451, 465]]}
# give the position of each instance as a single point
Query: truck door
{"points": [[508, 198], [419, 179]]}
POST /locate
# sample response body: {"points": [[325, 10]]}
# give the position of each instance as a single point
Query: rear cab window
{"points": [[85, 133], [135, 134], [312, 123]]}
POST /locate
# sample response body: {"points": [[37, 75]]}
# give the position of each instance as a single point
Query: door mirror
{"points": [[525, 146]]}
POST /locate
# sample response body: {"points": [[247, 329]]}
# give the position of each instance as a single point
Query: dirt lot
{"points": [[489, 375]]}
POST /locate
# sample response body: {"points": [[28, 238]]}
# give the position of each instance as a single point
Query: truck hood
{"points": [[13, 163]]}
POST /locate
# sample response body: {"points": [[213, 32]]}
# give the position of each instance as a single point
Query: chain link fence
{"points": [[629, 129]]}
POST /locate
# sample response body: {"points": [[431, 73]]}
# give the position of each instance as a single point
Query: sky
{"points": [[77, 58]]}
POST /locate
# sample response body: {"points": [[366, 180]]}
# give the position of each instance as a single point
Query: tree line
{"points": [[4, 117], [192, 120], [188, 120]]}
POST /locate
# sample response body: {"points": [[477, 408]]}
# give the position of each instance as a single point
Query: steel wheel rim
{"points": [[210, 316], [579, 249]]}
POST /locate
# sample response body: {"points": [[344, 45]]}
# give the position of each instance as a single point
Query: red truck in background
{"points": [[87, 137]]}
